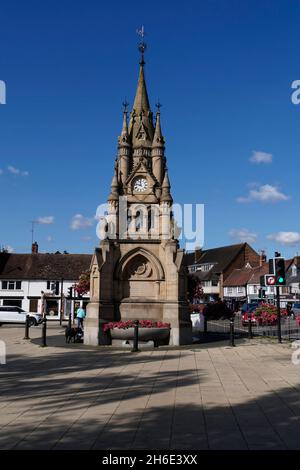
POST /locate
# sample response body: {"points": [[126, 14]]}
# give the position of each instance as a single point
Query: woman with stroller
{"points": [[80, 315]]}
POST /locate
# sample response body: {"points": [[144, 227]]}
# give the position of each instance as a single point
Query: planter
{"points": [[158, 335]]}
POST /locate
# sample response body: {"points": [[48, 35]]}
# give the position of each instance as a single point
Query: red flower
{"points": [[131, 323]]}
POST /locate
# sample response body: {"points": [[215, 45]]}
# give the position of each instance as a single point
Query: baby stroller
{"points": [[79, 335]]}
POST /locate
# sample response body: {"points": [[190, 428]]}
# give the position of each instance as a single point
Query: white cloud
{"points": [[80, 222], [261, 157], [285, 238], [243, 235], [16, 171], [86, 239], [50, 239], [46, 220], [265, 193], [13, 170], [8, 249]]}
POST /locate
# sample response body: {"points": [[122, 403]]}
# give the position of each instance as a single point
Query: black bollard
{"points": [[136, 337], [27, 327], [70, 321], [250, 334], [278, 314], [44, 333], [231, 342], [205, 325]]}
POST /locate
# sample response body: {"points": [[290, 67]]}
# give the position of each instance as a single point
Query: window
{"points": [[215, 283], [294, 270], [53, 286], [11, 285], [229, 290], [206, 267], [240, 290], [12, 305], [255, 289]]}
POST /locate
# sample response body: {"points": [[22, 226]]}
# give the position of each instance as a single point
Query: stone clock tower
{"points": [[138, 271]]}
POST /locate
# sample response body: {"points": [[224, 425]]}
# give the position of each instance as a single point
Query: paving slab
{"points": [[199, 397]]}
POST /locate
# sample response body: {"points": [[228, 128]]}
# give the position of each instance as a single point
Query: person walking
{"points": [[80, 315]]}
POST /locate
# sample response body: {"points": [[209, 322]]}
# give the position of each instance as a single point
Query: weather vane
{"points": [[142, 45], [158, 105], [125, 105]]}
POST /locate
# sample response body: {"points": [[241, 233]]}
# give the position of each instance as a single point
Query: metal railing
{"points": [[290, 330]]}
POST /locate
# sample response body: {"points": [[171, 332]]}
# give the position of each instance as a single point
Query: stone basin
{"points": [[159, 335]]}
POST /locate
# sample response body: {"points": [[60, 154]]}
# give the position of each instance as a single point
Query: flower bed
{"points": [[124, 325], [266, 314], [149, 330]]}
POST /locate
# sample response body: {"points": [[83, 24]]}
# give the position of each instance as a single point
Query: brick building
{"points": [[215, 265]]}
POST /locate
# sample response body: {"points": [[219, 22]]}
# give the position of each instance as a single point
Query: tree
{"points": [[83, 285], [217, 310], [195, 289]]}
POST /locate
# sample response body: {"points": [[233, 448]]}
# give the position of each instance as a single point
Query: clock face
{"points": [[140, 185]]}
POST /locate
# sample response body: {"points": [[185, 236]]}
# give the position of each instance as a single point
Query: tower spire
{"points": [[124, 148], [141, 128], [114, 194], [124, 134], [158, 140], [166, 195], [141, 100]]}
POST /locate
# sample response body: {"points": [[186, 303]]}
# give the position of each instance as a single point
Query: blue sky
{"points": [[223, 71]]}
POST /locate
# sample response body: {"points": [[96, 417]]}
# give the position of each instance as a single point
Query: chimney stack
{"points": [[297, 260], [34, 248], [198, 253], [262, 258]]}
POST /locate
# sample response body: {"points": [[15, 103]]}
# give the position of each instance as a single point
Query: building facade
{"points": [[214, 266], [244, 284], [40, 282]]}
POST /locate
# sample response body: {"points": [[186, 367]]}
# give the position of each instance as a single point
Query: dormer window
{"points": [[206, 267], [294, 270], [11, 285]]}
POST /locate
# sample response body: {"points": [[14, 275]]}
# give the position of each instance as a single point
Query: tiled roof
{"points": [[258, 272], [239, 277], [43, 266], [220, 257]]}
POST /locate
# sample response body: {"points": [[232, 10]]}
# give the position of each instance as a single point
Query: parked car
{"points": [[10, 314], [295, 309], [247, 311], [249, 307]]}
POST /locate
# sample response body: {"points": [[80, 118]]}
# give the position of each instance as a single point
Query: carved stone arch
{"points": [[135, 258]]}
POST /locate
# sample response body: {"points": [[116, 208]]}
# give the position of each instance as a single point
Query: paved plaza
{"points": [[207, 396]]}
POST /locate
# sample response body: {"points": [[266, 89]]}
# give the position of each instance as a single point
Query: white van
{"points": [[9, 314]]}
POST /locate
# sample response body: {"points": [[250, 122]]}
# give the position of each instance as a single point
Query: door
{"points": [[33, 305]]}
